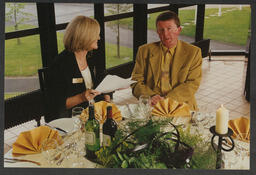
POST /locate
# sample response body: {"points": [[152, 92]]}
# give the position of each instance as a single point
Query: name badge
{"points": [[77, 80]]}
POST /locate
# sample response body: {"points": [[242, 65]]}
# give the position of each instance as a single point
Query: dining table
{"points": [[200, 122]]}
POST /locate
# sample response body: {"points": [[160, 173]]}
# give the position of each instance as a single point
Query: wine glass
{"points": [[205, 116], [50, 151], [76, 112], [202, 113], [144, 106]]}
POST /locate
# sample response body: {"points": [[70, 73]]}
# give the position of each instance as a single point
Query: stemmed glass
{"points": [[51, 152], [76, 148], [145, 107], [76, 112], [205, 116]]}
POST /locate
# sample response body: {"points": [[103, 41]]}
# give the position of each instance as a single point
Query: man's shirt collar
{"points": [[165, 49]]}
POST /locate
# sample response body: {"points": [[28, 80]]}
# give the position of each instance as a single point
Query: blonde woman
{"points": [[72, 75]]}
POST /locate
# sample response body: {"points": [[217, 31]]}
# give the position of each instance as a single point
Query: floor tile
{"points": [[235, 114]]}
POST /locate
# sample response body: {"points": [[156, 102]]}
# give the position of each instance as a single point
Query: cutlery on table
{"points": [[60, 161], [57, 128], [14, 160]]}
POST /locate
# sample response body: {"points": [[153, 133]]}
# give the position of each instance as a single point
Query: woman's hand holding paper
{"points": [[89, 94]]}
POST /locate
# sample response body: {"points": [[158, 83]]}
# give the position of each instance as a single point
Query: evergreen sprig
{"points": [[146, 146]]}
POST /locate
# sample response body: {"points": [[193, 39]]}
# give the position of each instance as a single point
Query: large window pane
{"points": [[118, 36], [20, 16], [114, 9], [22, 60], [227, 24], [60, 35], [119, 42], [65, 12], [187, 17], [152, 34]]}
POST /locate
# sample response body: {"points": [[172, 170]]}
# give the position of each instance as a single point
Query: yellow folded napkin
{"points": [[100, 109], [241, 128], [171, 108], [30, 142]]}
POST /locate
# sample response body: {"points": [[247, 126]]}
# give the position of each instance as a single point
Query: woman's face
{"points": [[94, 45]]}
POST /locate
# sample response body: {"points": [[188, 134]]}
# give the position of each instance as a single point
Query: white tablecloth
{"points": [[237, 159]]}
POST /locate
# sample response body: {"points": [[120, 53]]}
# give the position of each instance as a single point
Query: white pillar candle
{"points": [[222, 115]]}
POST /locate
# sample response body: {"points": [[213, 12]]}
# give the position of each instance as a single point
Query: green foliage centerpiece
{"points": [[148, 145]]}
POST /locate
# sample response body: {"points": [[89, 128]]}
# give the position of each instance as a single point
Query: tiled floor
{"points": [[222, 83]]}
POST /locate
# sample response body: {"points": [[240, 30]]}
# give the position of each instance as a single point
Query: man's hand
{"points": [[155, 99], [107, 98]]}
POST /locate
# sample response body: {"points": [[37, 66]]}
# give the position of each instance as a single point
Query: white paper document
{"points": [[113, 82]]}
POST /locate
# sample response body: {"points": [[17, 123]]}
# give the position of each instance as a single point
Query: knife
{"points": [[57, 128], [23, 160]]}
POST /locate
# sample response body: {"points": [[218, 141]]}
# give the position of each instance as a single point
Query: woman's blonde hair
{"points": [[80, 33]]}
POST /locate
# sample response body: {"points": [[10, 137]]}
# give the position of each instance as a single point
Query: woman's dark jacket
{"points": [[62, 77]]}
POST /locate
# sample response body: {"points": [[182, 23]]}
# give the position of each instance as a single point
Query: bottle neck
{"points": [[91, 112], [109, 113]]}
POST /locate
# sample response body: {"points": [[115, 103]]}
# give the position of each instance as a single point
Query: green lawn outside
{"points": [[231, 27], [25, 59], [9, 95], [111, 55], [111, 52]]}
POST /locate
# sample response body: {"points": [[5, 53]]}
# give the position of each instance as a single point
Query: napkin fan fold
{"points": [[30, 142], [171, 108], [241, 128], [100, 109]]}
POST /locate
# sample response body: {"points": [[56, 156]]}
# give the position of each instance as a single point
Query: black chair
{"points": [[247, 80], [23, 108], [43, 76], [205, 47]]}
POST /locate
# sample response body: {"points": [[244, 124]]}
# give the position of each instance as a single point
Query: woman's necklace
{"points": [[81, 60]]}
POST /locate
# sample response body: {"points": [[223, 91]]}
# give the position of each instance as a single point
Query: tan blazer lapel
{"points": [[177, 63], [154, 61]]}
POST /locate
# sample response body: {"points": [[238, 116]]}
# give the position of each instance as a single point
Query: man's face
{"points": [[168, 32]]}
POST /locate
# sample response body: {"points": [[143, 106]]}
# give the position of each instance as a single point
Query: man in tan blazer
{"points": [[169, 68]]}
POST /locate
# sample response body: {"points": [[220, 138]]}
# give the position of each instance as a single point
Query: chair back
{"points": [[205, 47], [43, 76], [23, 108]]}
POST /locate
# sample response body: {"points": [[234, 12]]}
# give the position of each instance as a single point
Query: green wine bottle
{"points": [[92, 135]]}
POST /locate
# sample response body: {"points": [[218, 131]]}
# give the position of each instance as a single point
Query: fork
{"points": [[14, 160]]}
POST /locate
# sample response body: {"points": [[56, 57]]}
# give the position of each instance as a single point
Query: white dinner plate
{"points": [[130, 111], [63, 123], [18, 164]]}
